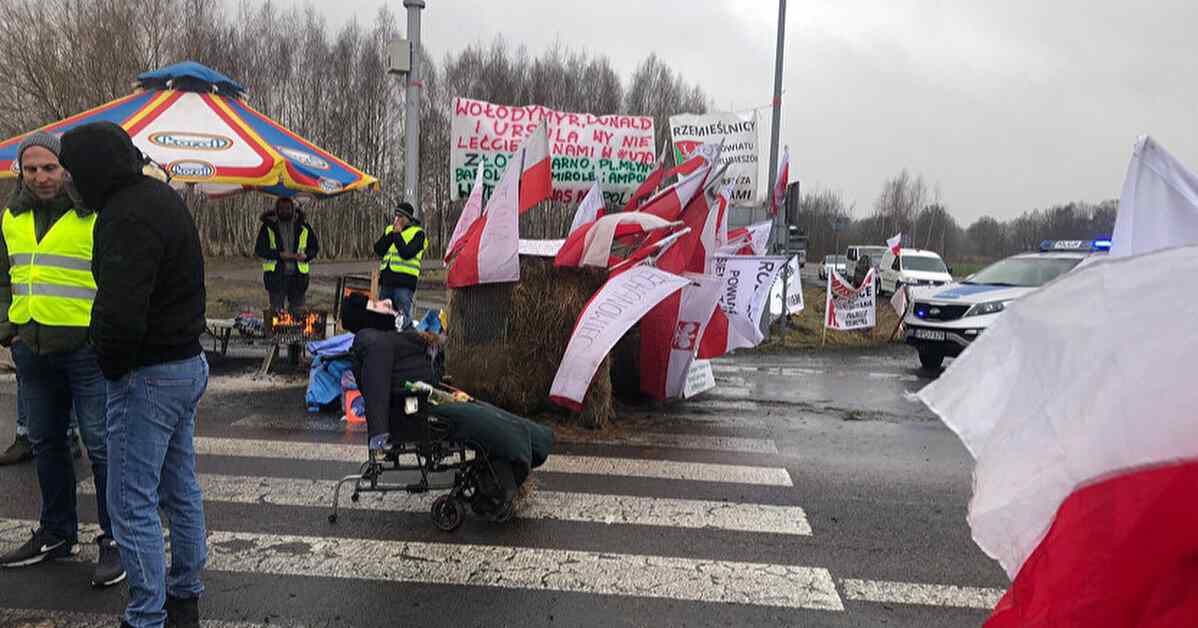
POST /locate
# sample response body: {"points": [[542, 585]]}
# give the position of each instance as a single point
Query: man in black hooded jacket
{"points": [[146, 323]]}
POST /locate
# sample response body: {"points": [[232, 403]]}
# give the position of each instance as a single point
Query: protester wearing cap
{"points": [[402, 249], [46, 294], [287, 244]]}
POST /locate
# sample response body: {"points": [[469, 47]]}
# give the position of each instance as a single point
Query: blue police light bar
{"points": [[1048, 246]]}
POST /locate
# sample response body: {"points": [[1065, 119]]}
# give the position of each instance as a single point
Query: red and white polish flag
{"points": [[536, 178], [1085, 432], [670, 202], [671, 334], [649, 186], [470, 213], [895, 244], [778, 198], [590, 209], [490, 250]]}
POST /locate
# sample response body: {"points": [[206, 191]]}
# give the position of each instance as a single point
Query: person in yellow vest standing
{"points": [[287, 245], [402, 250], [47, 291]]}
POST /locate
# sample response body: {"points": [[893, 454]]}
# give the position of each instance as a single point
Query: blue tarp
{"points": [[332, 346], [324, 382]]}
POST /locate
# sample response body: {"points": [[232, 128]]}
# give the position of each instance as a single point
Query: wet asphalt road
{"points": [[852, 497]]}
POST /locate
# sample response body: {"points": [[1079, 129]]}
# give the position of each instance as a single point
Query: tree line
{"points": [[907, 204], [331, 87]]}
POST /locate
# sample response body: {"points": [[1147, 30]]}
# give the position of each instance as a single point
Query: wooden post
{"points": [[374, 284]]}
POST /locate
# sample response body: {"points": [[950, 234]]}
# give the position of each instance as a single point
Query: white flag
{"points": [[1158, 207], [589, 209]]}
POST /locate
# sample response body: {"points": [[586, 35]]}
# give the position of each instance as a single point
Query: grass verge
{"points": [[806, 330]]}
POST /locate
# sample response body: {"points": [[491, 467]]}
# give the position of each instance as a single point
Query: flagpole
{"points": [[412, 111]]}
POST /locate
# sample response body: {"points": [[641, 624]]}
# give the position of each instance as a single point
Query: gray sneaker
{"points": [[109, 569], [19, 451], [41, 547]]}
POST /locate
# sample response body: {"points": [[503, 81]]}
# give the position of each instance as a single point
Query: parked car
{"points": [[942, 321], [836, 262], [912, 267]]}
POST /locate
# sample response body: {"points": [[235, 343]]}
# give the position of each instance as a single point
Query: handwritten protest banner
{"points": [[850, 307], [616, 149], [738, 131]]}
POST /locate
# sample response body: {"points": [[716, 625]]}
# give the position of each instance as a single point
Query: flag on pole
{"points": [[1158, 206], [670, 202], [778, 198], [470, 212], [671, 332], [536, 178], [649, 186], [746, 286], [591, 244], [490, 250], [895, 244], [1084, 432], [590, 209]]}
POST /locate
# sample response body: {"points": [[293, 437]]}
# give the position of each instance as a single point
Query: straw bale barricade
{"points": [[507, 340]]}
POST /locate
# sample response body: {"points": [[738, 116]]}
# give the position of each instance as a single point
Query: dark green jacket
{"points": [[42, 339]]}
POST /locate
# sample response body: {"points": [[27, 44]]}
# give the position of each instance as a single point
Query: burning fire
{"points": [[310, 323]]}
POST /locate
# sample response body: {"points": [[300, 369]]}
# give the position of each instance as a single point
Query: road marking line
{"points": [[671, 441], [40, 618], [595, 573], [658, 469], [920, 594], [549, 505]]}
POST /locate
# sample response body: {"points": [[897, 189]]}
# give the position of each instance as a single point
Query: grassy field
{"points": [[807, 329]]}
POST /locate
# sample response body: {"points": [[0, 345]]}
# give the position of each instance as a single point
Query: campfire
{"points": [[295, 327]]}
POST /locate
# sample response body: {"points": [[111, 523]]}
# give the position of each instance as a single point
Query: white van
{"points": [[912, 267]]}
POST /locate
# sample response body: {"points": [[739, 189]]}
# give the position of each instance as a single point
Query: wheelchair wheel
{"points": [[448, 513]]}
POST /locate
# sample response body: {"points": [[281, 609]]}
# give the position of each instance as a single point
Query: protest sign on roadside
{"points": [[617, 150], [850, 307]]}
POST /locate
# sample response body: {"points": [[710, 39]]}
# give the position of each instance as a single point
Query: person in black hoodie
{"points": [[287, 245], [146, 324]]}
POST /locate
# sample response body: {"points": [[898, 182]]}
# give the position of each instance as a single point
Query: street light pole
{"points": [[779, 231], [412, 111]]}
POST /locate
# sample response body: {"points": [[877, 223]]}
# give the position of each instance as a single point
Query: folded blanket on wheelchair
{"points": [[384, 361]]}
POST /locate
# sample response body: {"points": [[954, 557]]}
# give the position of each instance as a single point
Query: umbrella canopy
{"points": [[191, 120]]}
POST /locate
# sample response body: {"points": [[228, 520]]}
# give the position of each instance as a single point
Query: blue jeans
{"points": [[23, 417], [51, 386], [401, 300], [152, 464]]}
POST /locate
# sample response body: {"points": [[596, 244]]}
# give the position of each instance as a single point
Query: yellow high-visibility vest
{"points": [[52, 280], [269, 265], [397, 264]]}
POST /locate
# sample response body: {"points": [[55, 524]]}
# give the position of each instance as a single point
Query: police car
{"points": [[942, 321]]}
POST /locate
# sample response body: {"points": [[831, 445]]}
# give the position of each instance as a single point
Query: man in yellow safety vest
{"points": [[287, 245], [46, 294], [402, 249]]}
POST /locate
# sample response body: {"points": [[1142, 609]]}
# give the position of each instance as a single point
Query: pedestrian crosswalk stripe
{"points": [[596, 573], [39, 618], [920, 594], [671, 441], [551, 505], [659, 469]]}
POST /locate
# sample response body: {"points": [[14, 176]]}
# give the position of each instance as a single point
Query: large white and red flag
{"points": [[778, 198], [649, 186], [615, 308], [590, 209], [1085, 437], [1158, 206], [671, 333], [490, 250], [470, 212], [591, 244], [536, 177], [895, 244], [751, 240], [1084, 432]]}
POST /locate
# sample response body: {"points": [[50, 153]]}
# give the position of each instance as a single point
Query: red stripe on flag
{"points": [[1121, 552], [535, 184]]}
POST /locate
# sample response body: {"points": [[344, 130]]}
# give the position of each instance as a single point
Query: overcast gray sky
{"points": [[1007, 105]]}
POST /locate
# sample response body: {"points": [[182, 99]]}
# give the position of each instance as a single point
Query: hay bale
{"points": [[506, 340]]}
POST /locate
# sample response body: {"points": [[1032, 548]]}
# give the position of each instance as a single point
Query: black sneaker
{"points": [[109, 569], [43, 546], [19, 451], [182, 612]]}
